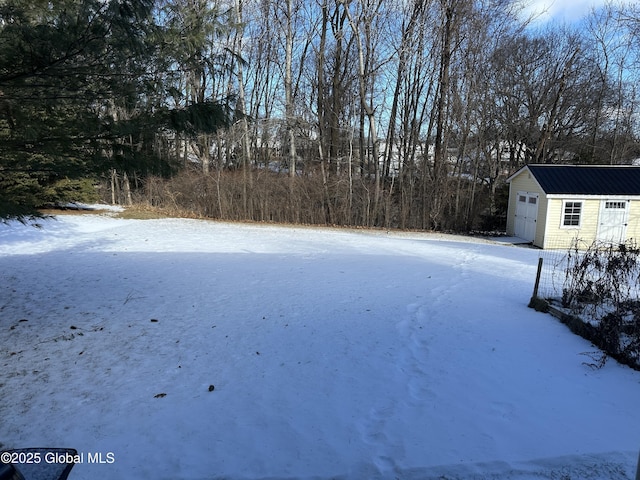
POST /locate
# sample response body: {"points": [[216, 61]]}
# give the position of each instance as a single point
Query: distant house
{"points": [[551, 205]]}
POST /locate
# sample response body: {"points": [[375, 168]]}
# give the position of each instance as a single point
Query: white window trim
{"points": [[562, 213]]}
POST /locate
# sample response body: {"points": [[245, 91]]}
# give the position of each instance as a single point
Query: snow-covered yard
{"points": [[202, 350]]}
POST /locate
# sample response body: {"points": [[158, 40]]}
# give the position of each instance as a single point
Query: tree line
{"points": [[394, 113]]}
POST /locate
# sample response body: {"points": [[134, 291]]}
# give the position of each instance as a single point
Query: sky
{"points": [[563, 10], [189, 350]]}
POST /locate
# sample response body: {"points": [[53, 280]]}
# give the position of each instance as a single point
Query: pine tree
{"points": [[68, 69]]}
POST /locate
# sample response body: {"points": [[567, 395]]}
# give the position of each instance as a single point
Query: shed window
{"points": [[571, 214], [616, 205]]}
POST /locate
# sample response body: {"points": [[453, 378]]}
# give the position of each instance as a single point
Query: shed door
{"points": [[614, 215], [526, 216]]}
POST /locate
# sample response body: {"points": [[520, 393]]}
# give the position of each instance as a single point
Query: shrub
{"points": [[67, 190]]}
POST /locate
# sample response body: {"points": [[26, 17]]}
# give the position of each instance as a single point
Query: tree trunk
{"points": [[367, 107], [246, 147], [288, 91], [114, 181], [127, 190]]}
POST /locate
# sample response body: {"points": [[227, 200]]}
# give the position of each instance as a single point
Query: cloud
{"points": [[562, 10]]}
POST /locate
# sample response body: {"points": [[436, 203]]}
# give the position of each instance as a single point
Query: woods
{"points": [[399, 114]]}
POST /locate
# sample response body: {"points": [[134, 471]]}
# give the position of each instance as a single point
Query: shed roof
{"points": [[587, 179]]}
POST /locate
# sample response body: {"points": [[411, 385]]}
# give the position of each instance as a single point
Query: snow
{"points": [[334, 354]]}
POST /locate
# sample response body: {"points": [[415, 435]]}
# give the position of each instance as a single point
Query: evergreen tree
{"points": [[81, 93], [61, 65]]}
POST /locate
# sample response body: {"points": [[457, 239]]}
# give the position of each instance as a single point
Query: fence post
{"points": [[638, 469], [534, 303], [537, 284]]}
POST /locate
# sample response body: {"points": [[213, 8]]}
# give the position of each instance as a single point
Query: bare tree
{"points": [[367, 65], [543, 90], [199, 63], [241, 107]]}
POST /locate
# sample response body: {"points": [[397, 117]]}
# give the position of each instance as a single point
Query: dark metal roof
{"points": [[588, 179]]}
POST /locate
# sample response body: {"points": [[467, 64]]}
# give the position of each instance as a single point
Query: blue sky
{"points": [[563, 10]]}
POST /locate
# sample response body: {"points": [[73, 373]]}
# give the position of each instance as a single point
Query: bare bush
{"points": [[276, 197], [602, 286]]}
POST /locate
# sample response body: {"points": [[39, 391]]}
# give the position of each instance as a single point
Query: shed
{"points": [[551, 205]]}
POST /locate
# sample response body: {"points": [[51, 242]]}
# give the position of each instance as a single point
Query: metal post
{"points": [[535, 288]]}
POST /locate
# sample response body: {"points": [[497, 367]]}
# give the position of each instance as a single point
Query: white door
{"points": [[526, 216], [614, 215]]}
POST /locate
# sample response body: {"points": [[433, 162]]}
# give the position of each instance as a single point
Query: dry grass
{"points": [[134, 212], [69, 211], [147, 212]]}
